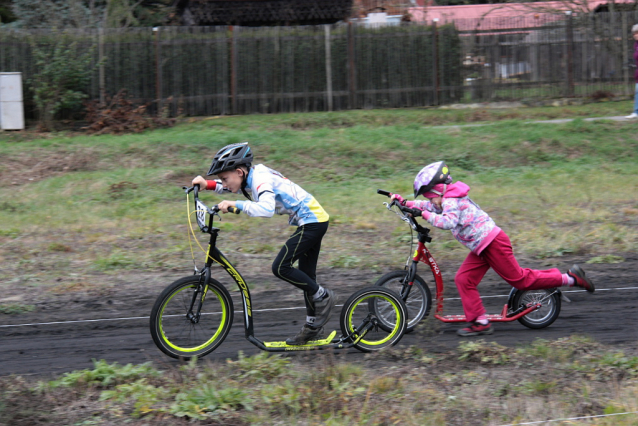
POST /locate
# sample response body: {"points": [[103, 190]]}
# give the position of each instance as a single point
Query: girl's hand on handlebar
{"points": [[398, 198], [413, 212], [200, 181], [224, 205]]}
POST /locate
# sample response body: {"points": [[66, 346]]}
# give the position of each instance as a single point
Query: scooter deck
{"points": [[502, 317], [311, 344]]}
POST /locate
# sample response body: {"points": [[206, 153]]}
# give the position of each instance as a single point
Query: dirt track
{"points": [[610, 316]]}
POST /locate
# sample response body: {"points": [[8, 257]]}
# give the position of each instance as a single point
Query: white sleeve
{"points": [[265, 207], [262, 189]]}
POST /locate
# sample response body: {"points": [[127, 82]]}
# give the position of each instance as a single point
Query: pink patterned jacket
{"points": [[470, 225]]}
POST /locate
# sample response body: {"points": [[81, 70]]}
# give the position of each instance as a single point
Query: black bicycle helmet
{"points": [[430, 176], [231, 157]]}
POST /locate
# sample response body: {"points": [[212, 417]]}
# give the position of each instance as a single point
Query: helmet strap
{"points": [[244, 184]]}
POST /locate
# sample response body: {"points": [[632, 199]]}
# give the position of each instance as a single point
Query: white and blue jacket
{"points": [[272, 193]]}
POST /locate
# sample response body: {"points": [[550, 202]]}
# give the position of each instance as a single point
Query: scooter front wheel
{"points": [[418, 301], [179, 330], [361, 318]]}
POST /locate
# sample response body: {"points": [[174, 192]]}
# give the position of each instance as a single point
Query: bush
{"points": [[63, 73], [119, 115]]}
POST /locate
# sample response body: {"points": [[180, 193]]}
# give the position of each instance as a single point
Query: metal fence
{"points": [[240, 70], [559, 55]]}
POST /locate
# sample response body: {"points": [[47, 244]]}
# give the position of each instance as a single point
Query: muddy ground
{"points": [[609, 316]]}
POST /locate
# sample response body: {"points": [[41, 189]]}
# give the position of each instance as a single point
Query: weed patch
{"points": [[483, 352], [10, 233], [116, 260], [208, 400], [15, 308], [102, 375], [260, 368], [118, 190], [59, 247], [607, 258], [345, 261]]}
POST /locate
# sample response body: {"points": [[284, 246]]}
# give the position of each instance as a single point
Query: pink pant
{"points": [[499, 256]]}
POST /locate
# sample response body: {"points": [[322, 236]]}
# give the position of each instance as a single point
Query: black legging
{"points": [[304, 244]]}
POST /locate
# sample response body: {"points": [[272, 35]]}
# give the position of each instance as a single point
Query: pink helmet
{"points": [[431, 175]]}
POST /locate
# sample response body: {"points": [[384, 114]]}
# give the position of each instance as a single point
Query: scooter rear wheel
{"points": [[361, 318], [543, 316]]}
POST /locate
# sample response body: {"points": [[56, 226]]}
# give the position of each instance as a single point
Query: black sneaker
{"points": [[306, 334], [323, 308], [581, 280]]}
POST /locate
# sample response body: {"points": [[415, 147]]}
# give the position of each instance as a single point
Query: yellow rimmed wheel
{"points": [[359, 318], [180, 332]]}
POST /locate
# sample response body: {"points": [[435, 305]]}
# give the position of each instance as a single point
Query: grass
{"points": [[113, 203], [15, 308], [463, 386], [550, 91], [76, 207]]}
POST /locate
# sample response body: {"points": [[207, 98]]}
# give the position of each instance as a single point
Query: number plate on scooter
{"points": [[201, 214]]}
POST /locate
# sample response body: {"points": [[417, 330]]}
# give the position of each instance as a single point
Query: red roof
{"points": [[505, 15]]}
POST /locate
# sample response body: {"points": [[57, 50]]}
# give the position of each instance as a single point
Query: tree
{"points": [[6, 14], [121, 13], [137, 13], [64, 14], [58, 13], [62, 73]]}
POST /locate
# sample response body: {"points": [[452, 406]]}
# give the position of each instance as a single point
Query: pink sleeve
{"points": [[419, 204]]}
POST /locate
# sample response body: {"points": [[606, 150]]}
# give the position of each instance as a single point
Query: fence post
{"points": [[351, 70], [158, 71], [625, 52], [435, 61], [233, 71], [570, 54], [328, 67], [100, 53], [278, 74]]}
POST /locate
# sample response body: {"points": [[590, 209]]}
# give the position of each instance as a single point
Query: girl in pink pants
{"points": [[449, 207]]}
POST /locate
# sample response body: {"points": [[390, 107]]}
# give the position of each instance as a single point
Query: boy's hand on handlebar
{"points": [[224, 205], [200, 181], [398, 198]]}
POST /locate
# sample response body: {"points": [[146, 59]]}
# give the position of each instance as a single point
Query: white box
{"points": [[11, 102]]}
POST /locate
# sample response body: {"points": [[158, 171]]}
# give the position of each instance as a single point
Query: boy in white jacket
{"points": [[269, 192]]}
